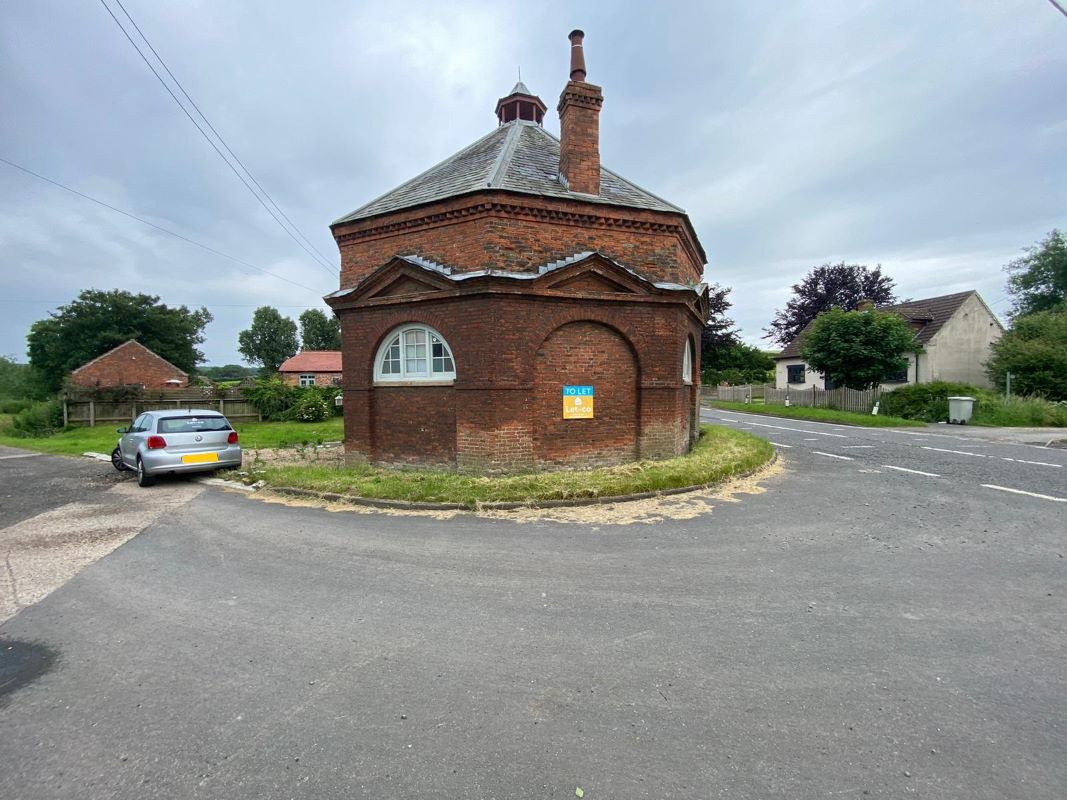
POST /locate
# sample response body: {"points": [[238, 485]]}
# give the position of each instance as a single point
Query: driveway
{"points": [[853, 631]]}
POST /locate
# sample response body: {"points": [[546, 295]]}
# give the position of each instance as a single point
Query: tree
{"points": [[227, 372], [319, 332], [858, 349], [719, 330], [269, 341], [829, 286], [738, 363], [98, 321], [16, 382], [1038, 280], [1034, 351]]}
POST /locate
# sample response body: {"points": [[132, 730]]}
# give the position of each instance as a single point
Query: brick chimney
{"points": [[579, 124]]}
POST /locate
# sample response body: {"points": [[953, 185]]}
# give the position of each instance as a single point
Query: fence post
{"points": [[66, 418], [222, 407], [134, 414], [92, 413]]}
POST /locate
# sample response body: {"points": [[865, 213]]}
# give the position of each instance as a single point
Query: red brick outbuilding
{"points": [[312, 368], [478, 299], [130, 364]]}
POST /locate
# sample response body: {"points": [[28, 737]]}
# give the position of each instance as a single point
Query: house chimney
{"points": [[579, 126]]}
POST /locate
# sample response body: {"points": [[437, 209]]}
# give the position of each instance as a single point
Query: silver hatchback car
{"points": [[185, 440]]}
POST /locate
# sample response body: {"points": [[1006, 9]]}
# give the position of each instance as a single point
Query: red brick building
{"points": [[488, 303], [130, 364], [312, 368]]}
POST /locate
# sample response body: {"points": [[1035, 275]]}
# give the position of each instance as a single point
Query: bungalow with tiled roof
{"points": [[312, 368], [954, 330]]}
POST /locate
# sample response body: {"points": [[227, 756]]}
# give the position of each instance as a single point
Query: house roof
{"points": [[313, 361], [136, 345], [926, 317], [519, 156]]}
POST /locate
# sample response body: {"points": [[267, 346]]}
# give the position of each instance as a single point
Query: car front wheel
{"points": [[116, 460], [143, 478]]}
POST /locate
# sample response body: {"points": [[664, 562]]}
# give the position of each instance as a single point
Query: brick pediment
{"points": [[402, 285]]}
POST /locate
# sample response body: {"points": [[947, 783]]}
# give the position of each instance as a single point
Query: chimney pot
{"points": [[577, 55]]}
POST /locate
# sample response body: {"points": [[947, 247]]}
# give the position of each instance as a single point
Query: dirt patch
{"points": [[648, 511], [327, 455]]}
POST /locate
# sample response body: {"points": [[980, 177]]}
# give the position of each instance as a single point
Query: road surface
{"points": [[857, 630]]}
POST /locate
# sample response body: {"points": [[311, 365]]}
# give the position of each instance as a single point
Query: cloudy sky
{"points": [[930, 137]]}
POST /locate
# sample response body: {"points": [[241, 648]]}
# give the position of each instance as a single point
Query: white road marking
{"points": [[912, 471], [857, 446], [777, 444], [22, 455], [913, 433], [1028, 494], [810, 439], [785, 428], [1038, 463], [831, 455], [957, 452]]}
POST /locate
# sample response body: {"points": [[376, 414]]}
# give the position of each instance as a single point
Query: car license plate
{"points": [[200, 458]]}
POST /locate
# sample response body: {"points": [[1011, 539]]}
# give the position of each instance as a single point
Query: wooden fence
{"points": [[82, 410], [841, 399]]}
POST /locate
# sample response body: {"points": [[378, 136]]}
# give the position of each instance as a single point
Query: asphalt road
{"points": [[854, 631]]}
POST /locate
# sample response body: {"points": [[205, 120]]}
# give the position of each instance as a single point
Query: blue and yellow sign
{"points": [[577, 402]]}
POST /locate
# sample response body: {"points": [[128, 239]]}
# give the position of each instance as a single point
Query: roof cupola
{"points": [[520, 104]]}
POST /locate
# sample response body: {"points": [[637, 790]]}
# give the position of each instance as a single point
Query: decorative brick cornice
{"points": [[599, 220]]}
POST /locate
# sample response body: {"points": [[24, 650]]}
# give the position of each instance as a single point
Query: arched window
{"points": [[687, 362], [414, 353]]}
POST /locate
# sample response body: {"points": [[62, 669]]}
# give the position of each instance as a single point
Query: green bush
{"points": [[929, 402], [310, 406], [14, 406], [279, 402], [926, 401], [271, 397], [40, 419]]}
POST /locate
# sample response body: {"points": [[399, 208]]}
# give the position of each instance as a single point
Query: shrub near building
{"points": [[277, 401]]}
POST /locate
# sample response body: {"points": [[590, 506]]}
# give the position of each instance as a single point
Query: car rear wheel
{"points": [[117, 462], [143, 478]]}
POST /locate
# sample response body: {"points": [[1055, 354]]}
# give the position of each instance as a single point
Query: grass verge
{"points": [[719, 453], [253, 435], [821, 415]]}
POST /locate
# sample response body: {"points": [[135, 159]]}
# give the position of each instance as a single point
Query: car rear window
{"points": [[193, 424]]}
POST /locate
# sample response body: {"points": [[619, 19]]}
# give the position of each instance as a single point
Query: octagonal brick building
{"points": [[488, 302]]}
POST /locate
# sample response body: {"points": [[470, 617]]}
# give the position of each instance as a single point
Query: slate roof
{"points": [[519, 156], [927, 317], [313, 361]]}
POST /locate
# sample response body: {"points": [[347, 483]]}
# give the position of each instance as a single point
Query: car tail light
{"points": [[232, 438], [156, 442]]}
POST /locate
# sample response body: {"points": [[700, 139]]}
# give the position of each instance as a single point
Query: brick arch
{"points": [[606, 317], [586, 352]]}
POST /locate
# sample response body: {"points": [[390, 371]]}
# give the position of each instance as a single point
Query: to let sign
{"points": [[577, 402]]}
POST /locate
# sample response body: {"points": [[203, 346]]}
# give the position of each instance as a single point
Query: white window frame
{"points": [[401, 348], [306, 379], [687, 362]]}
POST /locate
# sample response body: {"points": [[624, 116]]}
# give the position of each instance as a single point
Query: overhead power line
{"points": [[219, 135], [167, 231], [315, 255]]}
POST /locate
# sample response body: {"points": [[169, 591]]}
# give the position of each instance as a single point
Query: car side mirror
{"points": [[120, 430]]}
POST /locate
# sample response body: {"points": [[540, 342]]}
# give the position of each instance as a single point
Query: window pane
{"points": [[391, 361], [416, 366]]}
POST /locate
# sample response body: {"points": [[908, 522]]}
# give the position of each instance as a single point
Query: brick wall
{"points": [[513, 353], [129, 364], [507, 231], [586, 354], [321, 378]]}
